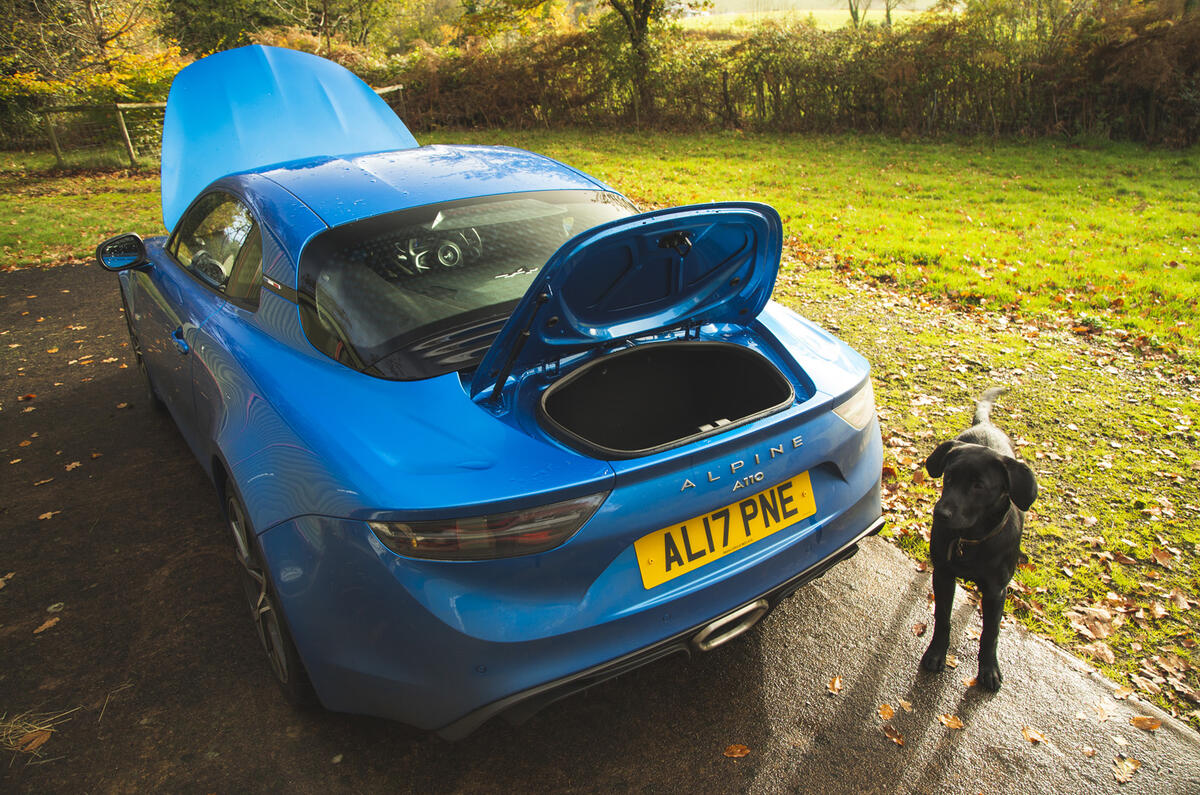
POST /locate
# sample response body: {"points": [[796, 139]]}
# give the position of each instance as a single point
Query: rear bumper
{"points": [[521, 706], [372, 646]]}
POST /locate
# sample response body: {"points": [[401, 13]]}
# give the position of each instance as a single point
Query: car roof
{"points": [[348, 188]]}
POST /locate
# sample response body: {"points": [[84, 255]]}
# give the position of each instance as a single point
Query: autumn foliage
{"points": [[1008, 67]]}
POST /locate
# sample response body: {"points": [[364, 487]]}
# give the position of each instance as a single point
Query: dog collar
{"points": [[956, 548]]}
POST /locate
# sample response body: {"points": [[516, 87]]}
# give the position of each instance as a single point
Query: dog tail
{"points": [[983, 409]]}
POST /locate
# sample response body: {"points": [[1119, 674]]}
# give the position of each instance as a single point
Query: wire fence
{"points": [[121, 135]]}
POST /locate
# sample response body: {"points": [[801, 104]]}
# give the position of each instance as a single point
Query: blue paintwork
{"points": [[250, 107], [617, 281], [344, 189], [315, 449]]}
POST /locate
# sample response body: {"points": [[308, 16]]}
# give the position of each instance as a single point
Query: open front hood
{"points": [[255, 106], [684, 266]]}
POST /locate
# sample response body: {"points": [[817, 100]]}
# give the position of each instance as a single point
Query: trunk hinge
{"points": [[522, 338]]}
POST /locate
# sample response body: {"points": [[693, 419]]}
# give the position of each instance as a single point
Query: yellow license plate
{"points": [[673, 551]]}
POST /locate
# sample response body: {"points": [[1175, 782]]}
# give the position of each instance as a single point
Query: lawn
{"points": [[1067, 273], [1107, 234]]}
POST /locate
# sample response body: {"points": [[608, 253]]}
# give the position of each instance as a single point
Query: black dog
{"points": [[977, 525]]}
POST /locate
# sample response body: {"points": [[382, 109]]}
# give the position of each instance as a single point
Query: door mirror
{"points": [[121, 252]]}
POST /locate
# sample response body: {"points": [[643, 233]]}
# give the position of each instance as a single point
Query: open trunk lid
{"points": [[673, 268]]}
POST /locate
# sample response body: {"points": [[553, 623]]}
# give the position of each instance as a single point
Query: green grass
{"points": [[1106, 234], [49, 217]]}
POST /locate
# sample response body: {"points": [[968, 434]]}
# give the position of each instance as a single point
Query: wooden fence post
{"points": [[125, 134], [53, 139]]}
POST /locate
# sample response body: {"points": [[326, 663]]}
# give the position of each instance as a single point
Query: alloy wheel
{"points": [[258, 592]]}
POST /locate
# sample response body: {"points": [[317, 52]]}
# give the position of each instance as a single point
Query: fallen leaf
{"points": [[886, 712], [43, 482], [1124, 767], [904, 705], [893, 734], [30, 396], [951, 661], [1162, 557], [49, 622], [1145, 685], [24, 443], [1146, 723], [73, 465], [736, 751], [48, 515], [52, 350], [15, 461], [337, 759], [96, 455], [122, 405], [835, 684], [1122, 693], [1088, 751], [34, 740], [970, 682], [1119, 740], [1100, 651], [1033, 735], [951, 721], [919, 629]]}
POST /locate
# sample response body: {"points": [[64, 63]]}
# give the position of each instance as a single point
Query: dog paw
{"points": [[934, 660], [989, 678]]}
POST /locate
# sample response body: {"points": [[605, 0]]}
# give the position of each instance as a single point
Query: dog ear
{"points": [[1022, 486], [935, 465]]}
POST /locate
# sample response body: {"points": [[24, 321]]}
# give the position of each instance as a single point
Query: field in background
{"points": [[737, 17], [737, 25]]}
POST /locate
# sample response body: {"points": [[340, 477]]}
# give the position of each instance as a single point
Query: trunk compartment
{"points": [[653, 397]]}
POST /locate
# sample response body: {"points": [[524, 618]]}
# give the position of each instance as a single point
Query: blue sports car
{"points": [[485, 434]]}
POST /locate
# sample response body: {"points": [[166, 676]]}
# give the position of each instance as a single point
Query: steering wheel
{"points": [[207, 266]]}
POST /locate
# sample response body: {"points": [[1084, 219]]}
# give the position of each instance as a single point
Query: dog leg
{"points": [[989, 665], [943, 599]]}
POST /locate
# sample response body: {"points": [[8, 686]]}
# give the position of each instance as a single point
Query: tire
{"points": [[269, 621], [136, 347]]}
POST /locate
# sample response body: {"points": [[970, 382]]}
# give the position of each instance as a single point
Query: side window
{"points": [[246, 279], [211, 235]]}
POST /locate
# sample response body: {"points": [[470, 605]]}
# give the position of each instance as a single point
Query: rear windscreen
{"points": [[421, 292]]}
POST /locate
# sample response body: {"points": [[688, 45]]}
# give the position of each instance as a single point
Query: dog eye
{"points": [[977, 485]]}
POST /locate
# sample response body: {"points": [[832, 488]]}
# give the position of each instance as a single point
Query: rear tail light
{"points": [[859, 409], [501, 535]]}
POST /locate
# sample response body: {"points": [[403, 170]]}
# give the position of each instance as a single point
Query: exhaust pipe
{"points": [[728, 627]]}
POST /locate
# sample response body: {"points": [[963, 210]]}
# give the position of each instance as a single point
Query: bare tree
{"points": [[858, 10]]}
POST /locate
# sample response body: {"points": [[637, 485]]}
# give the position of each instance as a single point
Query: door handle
{"points": [[177, 338]]}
